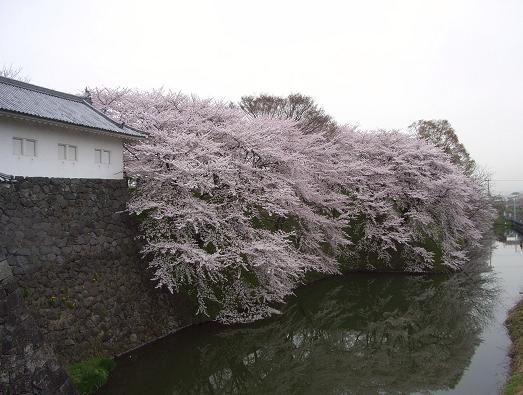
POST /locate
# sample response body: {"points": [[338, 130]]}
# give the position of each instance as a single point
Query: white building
{"points": [[45, 133]]}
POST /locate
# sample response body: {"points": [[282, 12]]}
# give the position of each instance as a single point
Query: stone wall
{"points": [[28, 364], [74, 255]]}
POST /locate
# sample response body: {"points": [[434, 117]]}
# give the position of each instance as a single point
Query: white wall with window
{"points": [[67, 152], [36, 149], [102, 156]]}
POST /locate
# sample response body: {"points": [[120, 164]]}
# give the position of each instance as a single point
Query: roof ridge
{"points": [[41, 89]]}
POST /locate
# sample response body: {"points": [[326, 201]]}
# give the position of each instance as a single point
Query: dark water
{"points": [[357, 334]]}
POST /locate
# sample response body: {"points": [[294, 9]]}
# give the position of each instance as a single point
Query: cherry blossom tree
{"points": [[237, 209], [215, 189], [410, 202]]}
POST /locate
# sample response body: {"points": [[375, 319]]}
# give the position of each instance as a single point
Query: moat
{"points": [[355, 334]]}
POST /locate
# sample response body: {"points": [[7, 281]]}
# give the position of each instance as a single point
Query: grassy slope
{"points": [[515, 328]]}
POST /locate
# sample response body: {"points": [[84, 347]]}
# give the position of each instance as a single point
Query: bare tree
{"points": [[440, 133], [310, 117], [14, 73]]}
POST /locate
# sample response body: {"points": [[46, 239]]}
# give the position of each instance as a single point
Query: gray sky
{"points": [[379, 64]]}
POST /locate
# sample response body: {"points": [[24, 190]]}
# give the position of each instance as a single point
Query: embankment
{"points": [[77, 277]]}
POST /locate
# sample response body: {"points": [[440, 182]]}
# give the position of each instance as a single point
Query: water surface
{"points": [[356, 334]]}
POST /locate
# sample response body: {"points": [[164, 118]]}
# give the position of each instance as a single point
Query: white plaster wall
{"points": [[46, 162]]}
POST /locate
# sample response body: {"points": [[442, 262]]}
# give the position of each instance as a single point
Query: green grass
{"points": [[514, 324], [90, 375], [514, 385]]}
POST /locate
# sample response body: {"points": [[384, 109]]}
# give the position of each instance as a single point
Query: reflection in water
{"points": [[358, 334], [512, 237], [508, 236]]}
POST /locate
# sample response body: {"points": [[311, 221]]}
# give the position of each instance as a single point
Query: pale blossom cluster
{"points": [[236, 210]]}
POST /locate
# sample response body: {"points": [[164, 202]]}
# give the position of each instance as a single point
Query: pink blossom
{"points": [[238, 209]]}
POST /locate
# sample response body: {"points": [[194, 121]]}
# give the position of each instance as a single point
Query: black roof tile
{"points": [[35, 101]]}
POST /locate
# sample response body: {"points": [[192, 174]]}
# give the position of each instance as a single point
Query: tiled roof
{"points": [[34, 101]]}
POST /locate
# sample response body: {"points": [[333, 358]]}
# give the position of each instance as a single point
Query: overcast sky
{"points": [[379, 64]]}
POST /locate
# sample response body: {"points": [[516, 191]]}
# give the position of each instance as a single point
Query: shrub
{"points": [[88, 376]]}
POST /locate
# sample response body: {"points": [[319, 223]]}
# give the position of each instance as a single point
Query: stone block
{"points": [[6, 274]]}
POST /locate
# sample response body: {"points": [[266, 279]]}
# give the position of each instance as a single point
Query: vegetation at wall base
{"points": [[514, 324], [88, 376]]}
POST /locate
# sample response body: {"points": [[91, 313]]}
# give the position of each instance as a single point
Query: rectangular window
{"points": [[102, 156], [29, 147], [71, 152], [106, 157], [97, 156], [17, 146], [61, 151], [26, 147], [67, 152]]}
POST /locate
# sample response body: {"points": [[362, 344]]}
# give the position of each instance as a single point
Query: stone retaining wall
{"points": [[73, 253], [28, 364]]}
